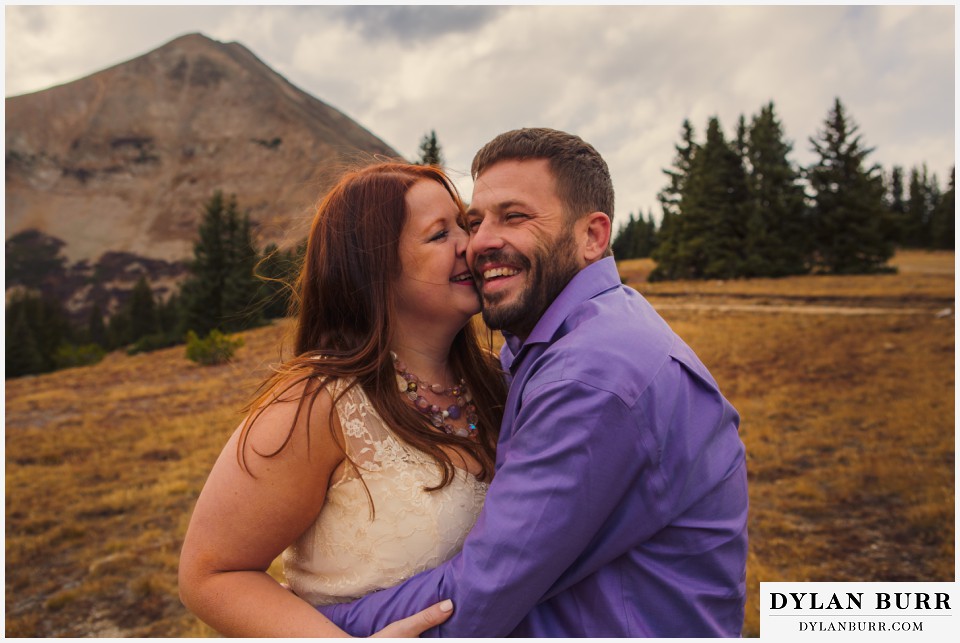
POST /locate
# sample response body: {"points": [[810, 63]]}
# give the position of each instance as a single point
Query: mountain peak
{"points": [[124, 159]]}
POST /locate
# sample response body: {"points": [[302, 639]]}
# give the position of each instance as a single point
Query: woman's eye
{"points": [[443, 234]]}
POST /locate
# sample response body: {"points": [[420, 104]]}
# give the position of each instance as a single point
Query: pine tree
{"points": [[222, 289], [430, 152], [169, 317], [623, 245], [96, 329], [33, 258], [240, 286], [848, 218], [22, 355], [918, 210], [709, 232], [669, 196], [777, 238], [45, 322], [119, 331], [142, 309], [897, 206], [636, 239], [668, 237], [943, 220]]}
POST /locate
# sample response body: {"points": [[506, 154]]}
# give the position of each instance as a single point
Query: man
{"points": [[619, 505]]}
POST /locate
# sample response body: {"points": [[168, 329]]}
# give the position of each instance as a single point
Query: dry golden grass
{"points": [[848, 422]]}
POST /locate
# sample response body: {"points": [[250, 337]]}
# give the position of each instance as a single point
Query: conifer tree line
{"points": [[232, 286], [741, 208], [737, 208]]}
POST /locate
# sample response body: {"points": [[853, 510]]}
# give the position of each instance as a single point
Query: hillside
{"points": [[845, 386], [122, 160]]}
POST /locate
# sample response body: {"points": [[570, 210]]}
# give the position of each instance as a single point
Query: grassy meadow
{"points": [[845, 386]]}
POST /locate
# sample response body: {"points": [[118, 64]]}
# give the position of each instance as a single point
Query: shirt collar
{"points": [[596, 278]]}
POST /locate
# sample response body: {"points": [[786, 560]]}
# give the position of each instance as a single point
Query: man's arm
{"points": [[575, 451]]}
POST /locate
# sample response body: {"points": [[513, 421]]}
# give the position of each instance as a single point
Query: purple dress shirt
{"points": [[619, 504]]}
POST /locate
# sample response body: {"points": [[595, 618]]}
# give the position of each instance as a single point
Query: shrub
{"points": [[153, 342], [215, 348], [69, 355]]}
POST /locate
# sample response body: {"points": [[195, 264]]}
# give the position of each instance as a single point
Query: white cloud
{"points": [[623, 77]]}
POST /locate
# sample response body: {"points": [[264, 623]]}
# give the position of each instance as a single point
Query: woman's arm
{"points": [[242, 522]]}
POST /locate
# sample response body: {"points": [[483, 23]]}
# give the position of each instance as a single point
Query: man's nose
{"points": [[484, 238]]}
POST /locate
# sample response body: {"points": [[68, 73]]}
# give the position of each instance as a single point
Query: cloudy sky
{"points": [[622, 77]]}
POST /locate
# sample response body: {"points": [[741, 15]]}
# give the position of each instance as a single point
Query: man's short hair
{"points": [[581, 175]]}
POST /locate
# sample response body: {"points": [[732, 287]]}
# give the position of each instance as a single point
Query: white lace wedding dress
{"points": [[349, 552]]}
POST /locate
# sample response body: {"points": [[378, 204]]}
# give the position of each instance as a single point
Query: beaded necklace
{"points": [[411, 385]]}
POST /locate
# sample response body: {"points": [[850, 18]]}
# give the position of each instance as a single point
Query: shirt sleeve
{"points": [[574, 452]]}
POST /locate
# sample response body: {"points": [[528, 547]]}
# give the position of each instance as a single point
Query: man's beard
{"points": [[547, 273]]}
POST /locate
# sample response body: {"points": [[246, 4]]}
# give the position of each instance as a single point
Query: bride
{"points": [[365, 458]]}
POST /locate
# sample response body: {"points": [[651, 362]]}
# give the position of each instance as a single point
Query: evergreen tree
{"points": [[143, 311], [917, 213], [430, 152], [33, 258], [22, 355], [169, 316], [636, 239], [741, 141], [96, 329], [669, 196], [777, 239], [240, 286], [708, 234], [45, 321], [897, 206], [668, 237], [119, 328], [221, 290], [943, 220], [848, 218]]}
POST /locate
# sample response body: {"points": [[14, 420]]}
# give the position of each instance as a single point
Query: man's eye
{"points": [[473, 224], [515, 216]]}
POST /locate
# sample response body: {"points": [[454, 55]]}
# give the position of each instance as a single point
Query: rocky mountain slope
{"points": [[122, 161]]}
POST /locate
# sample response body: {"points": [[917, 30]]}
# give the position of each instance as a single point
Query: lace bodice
{"points": [[348, 553]]}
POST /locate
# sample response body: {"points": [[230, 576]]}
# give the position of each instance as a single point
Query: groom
{"points": [[619, 505]]}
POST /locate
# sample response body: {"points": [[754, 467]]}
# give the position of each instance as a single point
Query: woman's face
{"points": [[434, 283]]}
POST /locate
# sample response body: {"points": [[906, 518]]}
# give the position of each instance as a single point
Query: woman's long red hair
{"points": [[344, 309]]}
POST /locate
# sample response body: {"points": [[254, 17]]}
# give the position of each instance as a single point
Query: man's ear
{"points": [[597, 240]]}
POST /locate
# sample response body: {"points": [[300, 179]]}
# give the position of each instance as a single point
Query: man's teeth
{"points": [[500, 272]]}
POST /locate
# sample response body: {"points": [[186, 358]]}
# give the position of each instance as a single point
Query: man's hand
{"points": [[412, 626]]}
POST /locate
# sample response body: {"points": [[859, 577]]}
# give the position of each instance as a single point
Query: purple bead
{"points": [[454, 411], [422, 404]]}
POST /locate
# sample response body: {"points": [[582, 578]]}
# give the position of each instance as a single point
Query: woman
{"points": [[366, 457]]}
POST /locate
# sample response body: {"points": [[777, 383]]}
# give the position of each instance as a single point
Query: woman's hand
{"points": [[413, 626]]}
